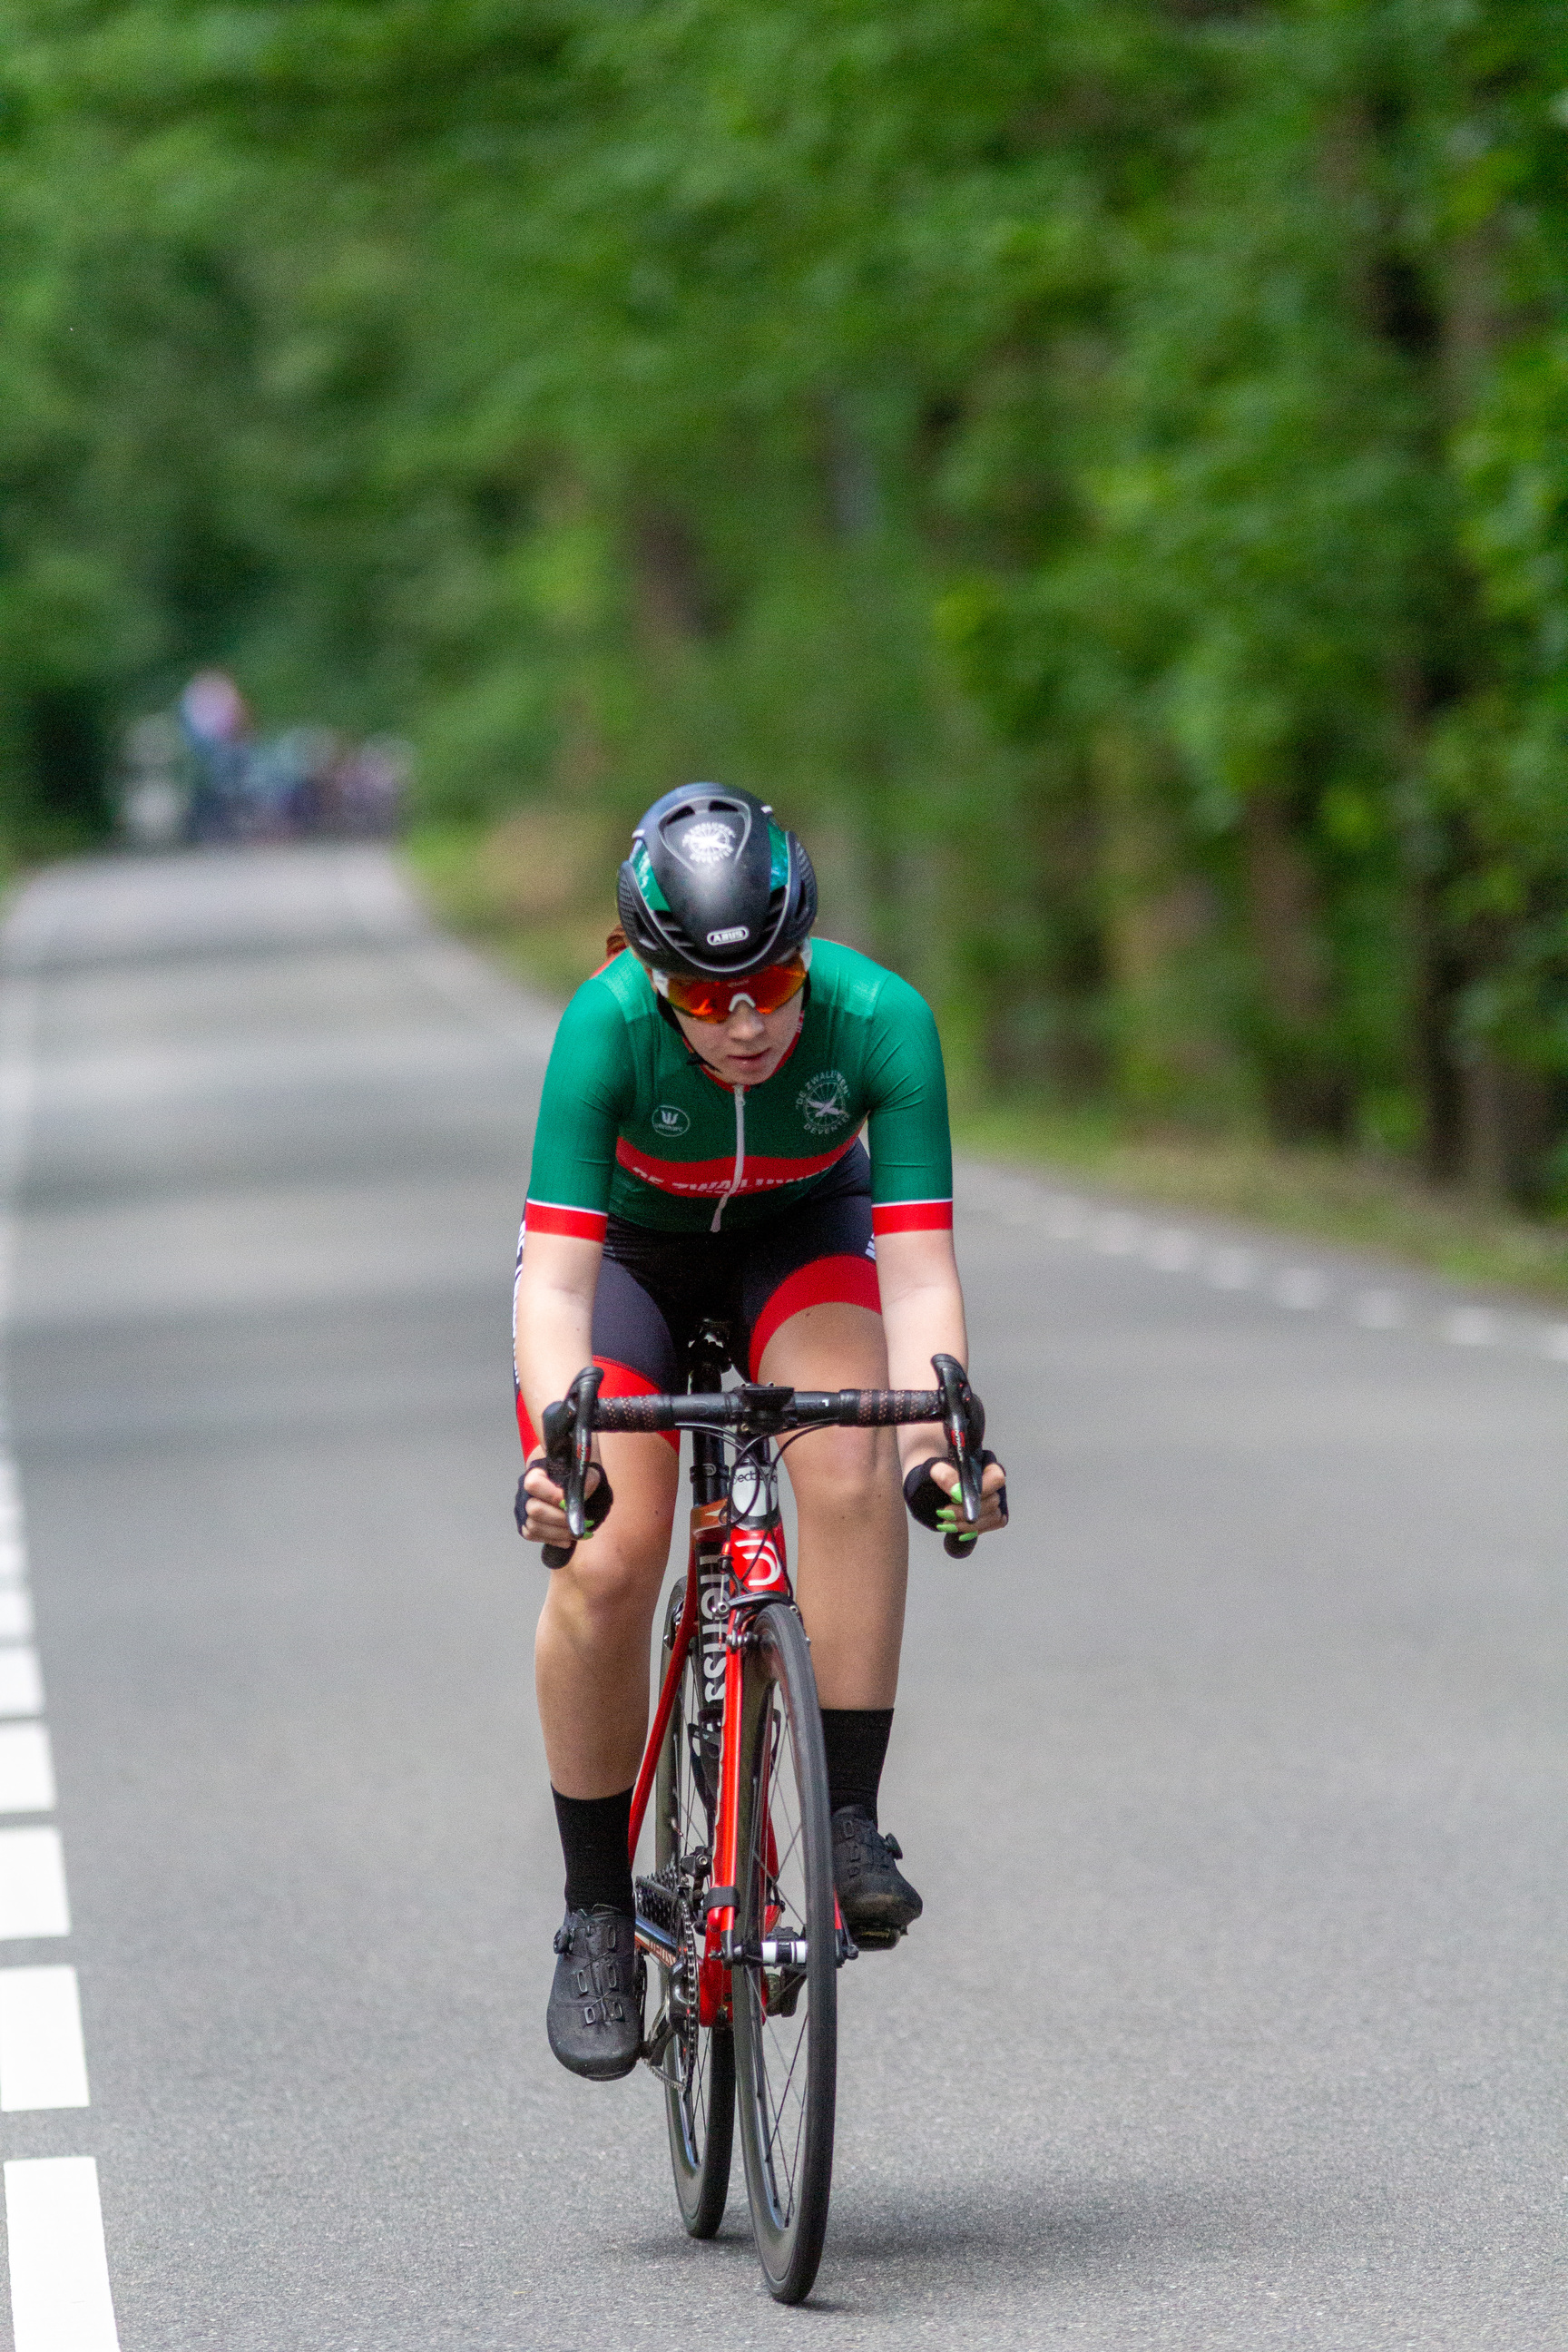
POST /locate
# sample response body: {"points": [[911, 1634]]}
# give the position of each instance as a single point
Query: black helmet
{"points": [[713, 887]]}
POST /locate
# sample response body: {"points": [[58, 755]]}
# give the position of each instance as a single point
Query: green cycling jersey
{"points": [[633, 1124]]}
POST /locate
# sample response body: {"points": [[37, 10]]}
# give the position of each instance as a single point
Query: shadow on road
{"points": [[882, 2257]]}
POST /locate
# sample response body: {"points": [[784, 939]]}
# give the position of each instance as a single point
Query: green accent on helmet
{"points": [[778, 868], [647, 880]]}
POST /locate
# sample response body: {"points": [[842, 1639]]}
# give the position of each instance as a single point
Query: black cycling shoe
{"points": [[875, 1897], [594, 2018]]}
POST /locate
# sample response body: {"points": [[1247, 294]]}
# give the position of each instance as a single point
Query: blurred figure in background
{"points": [[369, 786], [287, 785], [154, 798], [216, 723], [202, 776]]}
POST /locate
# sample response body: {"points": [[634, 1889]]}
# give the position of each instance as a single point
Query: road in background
{"points": [[1234, 1776]]}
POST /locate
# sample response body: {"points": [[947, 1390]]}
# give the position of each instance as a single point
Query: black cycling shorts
{"points": [[655, 1289]]}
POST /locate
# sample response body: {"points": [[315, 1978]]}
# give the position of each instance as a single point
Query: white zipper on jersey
{"points": [[734, 1185]]}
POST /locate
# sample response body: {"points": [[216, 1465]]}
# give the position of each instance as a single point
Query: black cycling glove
{"points": [[926, 1500], [595, 1504]]}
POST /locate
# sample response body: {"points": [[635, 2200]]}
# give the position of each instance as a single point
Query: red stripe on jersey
{"points": [[911, 1216], [578, 1224], [824, 1282], [760, 1173], [619, 1380]]}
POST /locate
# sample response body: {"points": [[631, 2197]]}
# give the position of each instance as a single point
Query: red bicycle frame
{"points": [[736, 1561]]}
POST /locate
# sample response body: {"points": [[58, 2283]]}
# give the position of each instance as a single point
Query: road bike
{"points": [[738, 1916]]}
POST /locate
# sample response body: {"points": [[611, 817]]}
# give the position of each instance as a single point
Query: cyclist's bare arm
{"points": [[922, 1314], [552, 1338]]}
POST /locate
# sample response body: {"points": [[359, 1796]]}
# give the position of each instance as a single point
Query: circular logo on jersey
{"points": [[707, 844], [824, 1102], [670, 1119]]}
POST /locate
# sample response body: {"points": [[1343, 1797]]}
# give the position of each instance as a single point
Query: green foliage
{"points": [[1099, 466]]}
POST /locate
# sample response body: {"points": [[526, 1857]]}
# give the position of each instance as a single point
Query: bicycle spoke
{"points": [[777, 2106]]}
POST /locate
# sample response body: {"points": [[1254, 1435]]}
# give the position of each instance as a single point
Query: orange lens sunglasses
{"points": [[714, 999]]}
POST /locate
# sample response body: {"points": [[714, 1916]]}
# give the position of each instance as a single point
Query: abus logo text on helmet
{"points": [[728, 939]]}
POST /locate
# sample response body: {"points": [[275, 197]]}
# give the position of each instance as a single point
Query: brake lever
{"points": [[568, 1449], [963, 1423]]}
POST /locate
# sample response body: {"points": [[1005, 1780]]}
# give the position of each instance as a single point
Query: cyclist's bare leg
{"points": [[853, 1562], [590, 1653]]}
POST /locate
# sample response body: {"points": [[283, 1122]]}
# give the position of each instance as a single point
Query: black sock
{"points": [[594, 1831], [856, 1739]]}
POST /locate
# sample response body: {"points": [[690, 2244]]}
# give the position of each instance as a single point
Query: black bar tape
{"points": [[895, 1408], [632, 1415], [857, 1408]]}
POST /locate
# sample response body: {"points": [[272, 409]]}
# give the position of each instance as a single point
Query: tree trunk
{"points": [[1152, 911], [1304, 1092]]}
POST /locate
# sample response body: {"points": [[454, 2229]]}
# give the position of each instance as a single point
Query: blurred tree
{"points": [[1099, 466]]}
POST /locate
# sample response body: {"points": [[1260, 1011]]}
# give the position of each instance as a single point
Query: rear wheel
{"points": [[786, 1981], [696, 2063]]}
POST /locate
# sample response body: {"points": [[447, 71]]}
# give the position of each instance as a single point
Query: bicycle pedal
{"points": [[879, 1939], [783, 1992]]}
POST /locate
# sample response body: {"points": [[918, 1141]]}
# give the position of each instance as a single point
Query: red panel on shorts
{"points": [[619, 1380], [824, 1282]]}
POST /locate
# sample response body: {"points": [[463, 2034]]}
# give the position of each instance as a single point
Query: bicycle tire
{"points": [[786, 2018], [699, 2102]]}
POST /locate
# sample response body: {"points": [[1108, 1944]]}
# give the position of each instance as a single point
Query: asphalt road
{"points": [[1234, 1776]]}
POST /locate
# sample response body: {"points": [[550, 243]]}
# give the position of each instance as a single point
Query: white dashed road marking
{"points": [[43, 2061], [59, 2277], [1022, 1202], [21, 1683], [1118, 1235], [26, 1769], [60, 2299], [1232, 1269], [15, 1614], [32, 1884]]}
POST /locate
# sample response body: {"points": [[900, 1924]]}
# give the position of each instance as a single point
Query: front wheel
{"points": [[784, 1978]]}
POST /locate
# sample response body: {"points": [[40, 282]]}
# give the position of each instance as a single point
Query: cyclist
{"points": [[698, 1154]]}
